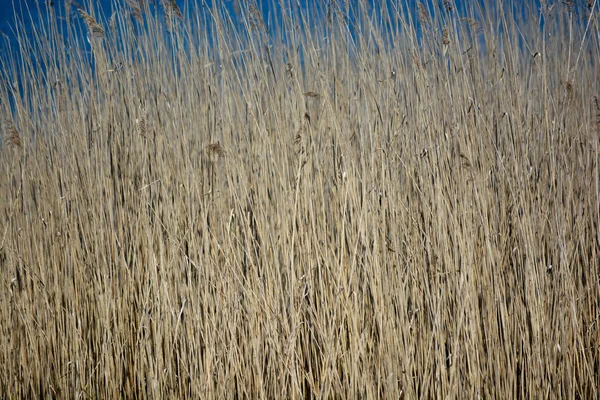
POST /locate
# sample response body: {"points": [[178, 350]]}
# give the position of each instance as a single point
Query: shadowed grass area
{"points": [[350, 203]]}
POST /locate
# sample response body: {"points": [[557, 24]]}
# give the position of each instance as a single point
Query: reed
{"points": [[339, 202]]}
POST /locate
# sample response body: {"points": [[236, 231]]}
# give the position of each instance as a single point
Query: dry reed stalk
{"points": [[596, 104], [112, 22], [68, 4], [61, 93]]}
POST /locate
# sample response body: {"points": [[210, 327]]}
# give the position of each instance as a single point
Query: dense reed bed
{"points": [[330, 201]]}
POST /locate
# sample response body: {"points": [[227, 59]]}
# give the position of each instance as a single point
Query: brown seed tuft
{"points": [[256, 20], [13, 137], [215, 149], [94, 28], [142, 120], [445, 37], [570, 89], [135, 9], [569, 5], [423, 14], [473, 24], [307, 118], [312, 94], [172, 12]]}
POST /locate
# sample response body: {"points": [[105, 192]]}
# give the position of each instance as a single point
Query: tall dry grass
{"points": [[337, 203]]}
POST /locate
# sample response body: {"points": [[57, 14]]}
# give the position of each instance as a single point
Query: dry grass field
{"points": [[337, 203]]}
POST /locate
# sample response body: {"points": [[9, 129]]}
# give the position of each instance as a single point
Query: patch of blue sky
{"points": [[396, 19]]}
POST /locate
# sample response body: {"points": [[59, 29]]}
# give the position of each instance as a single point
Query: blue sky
{"points": [[38, 8], [34, 10]]}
